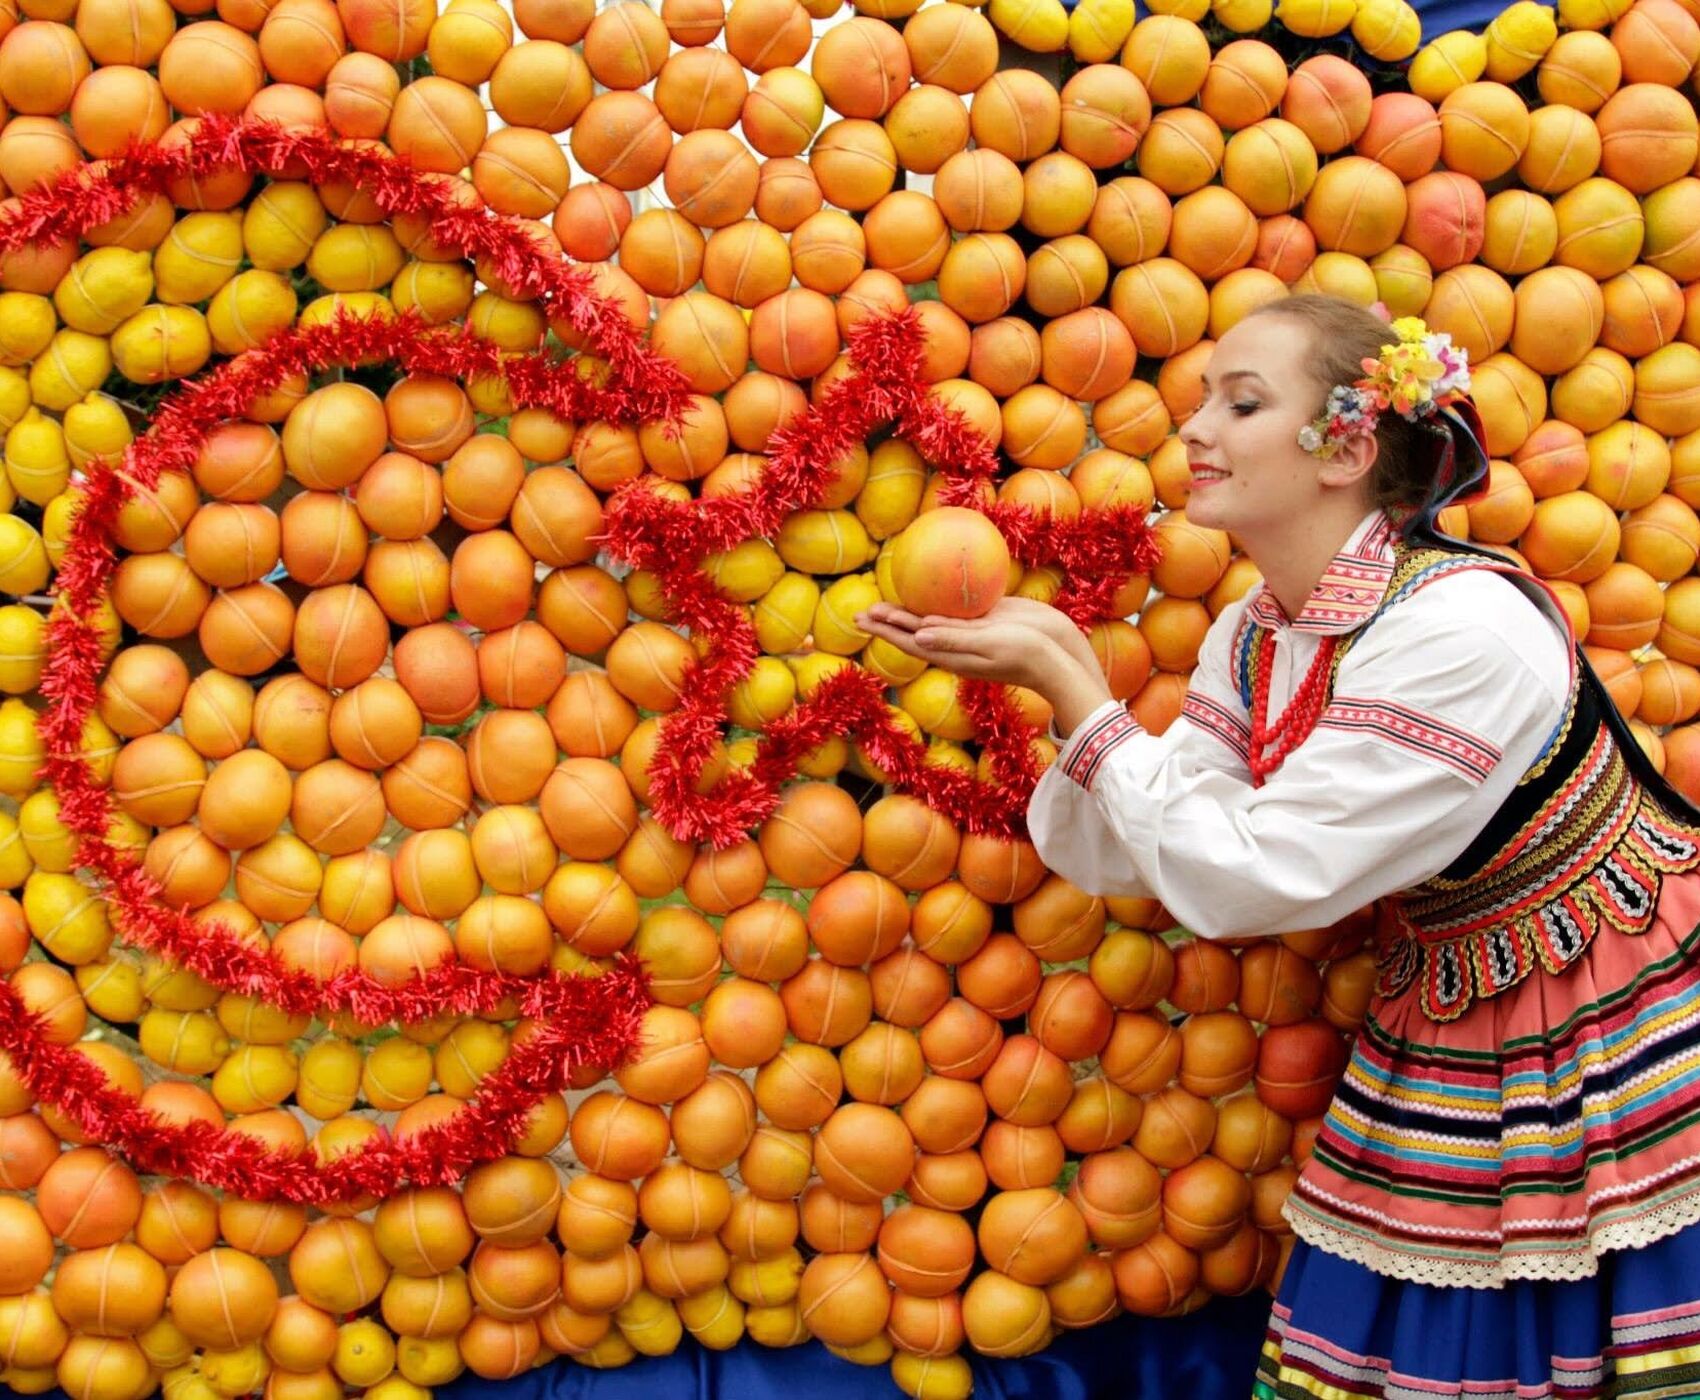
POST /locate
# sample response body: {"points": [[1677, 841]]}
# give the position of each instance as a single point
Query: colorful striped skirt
{"points": [[1633, 1330], [1508, 1204], [1545, 1127]]}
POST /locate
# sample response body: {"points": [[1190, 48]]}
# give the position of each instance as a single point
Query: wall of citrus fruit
{"points": [[344, 813]]}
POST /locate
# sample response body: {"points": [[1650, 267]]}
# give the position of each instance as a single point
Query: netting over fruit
{"points": [[476, 896]]}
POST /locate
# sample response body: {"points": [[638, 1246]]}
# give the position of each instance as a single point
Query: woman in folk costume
{"points": [[1502, 1197]]}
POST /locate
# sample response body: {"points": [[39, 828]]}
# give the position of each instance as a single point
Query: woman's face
{"points": [[1242, 443]]}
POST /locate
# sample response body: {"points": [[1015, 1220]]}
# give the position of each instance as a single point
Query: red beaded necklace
{"points": [[1297, 720]]}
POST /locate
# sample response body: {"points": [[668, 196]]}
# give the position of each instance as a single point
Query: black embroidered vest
{"points": [[1584, 838]]}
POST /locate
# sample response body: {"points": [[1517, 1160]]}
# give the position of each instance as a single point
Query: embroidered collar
{"points": [[1350, 590]]}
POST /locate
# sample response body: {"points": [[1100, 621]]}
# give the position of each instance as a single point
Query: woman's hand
{"points": [[1002, 646], [1019, 642]]}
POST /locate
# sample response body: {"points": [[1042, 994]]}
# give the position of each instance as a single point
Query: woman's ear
{"points": [[1352, 462]]}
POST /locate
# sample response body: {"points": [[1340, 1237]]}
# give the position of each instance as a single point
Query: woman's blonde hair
{"points": [[1342, 336]]}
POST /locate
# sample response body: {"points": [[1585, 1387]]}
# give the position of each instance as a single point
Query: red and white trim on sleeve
{"points": [[1088, 749], [1213, 717], [1467, 754]]}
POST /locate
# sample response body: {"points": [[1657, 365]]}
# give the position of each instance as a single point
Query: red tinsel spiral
{"points": [[577, 1021], [592, 1020]]}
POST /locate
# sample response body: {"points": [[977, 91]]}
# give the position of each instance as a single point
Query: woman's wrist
{"points": [[1074, 688]]}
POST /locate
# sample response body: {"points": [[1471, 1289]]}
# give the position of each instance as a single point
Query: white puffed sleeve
{"points": [[1438, 710]]}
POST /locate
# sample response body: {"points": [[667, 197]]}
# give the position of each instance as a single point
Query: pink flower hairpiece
{"points": [[1418, 374]]}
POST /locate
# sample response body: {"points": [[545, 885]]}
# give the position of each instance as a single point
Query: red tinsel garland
{"points": [[592, 1020], [73, 659], [644, 386]]}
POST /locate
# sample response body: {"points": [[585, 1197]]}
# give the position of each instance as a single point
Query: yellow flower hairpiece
{"points": [[1417, 374]]}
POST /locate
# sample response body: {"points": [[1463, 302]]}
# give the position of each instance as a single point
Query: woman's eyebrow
{"points": [[1232, 375]]}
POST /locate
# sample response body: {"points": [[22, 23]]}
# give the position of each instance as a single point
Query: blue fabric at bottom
{"points": [[1210, 1355], [1531, 1337]]}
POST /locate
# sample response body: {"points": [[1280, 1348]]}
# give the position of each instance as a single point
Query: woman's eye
{"points": [[1246, 407]]}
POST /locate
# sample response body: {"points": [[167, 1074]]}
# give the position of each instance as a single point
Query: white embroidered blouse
{"points": [[1437, 712]]}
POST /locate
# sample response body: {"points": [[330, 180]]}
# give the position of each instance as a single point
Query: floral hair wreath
{"points": [[1416, 376]]}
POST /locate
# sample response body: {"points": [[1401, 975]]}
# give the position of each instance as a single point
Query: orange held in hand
{"points": [[950, 562]]}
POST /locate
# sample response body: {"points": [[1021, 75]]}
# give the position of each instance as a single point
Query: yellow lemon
{"points": [[714, 1317], [397, 1073], [765, 1282], [1243, 16], [258, 1022], [199, 255], [746, 571], [778, 1326], [932, 699], [113, 990], [239, 1372], [469, 1052], [1591, 14], [1389, 30], [1039, 26], [365, 1352], [1517, 39], [328, 1081], [15, 863], [437, 292], [57, 517], [835, 627], [37, 463], [876, 1351], [490, 395], [160, 343], [50, 844], [74, 363], [24, 566], [1447, 63], [173, 988], [1315, 19], [186, 1042], [1098, 28], [892, 666], [428, 1361], [95, 427], [824, 542], [513, 325], [103, 288], [27, 323], [249, 310], [355, 258], [281, 224], [932, 1377], [826, 761], [891, 495], [21, 746], [66, 917], [650, 1323], [764, 695], [14, 395], [164, 1344], [362, 306], [784, 614], [255, 1077], [99, 748], [395, 1388], [814, 668]]}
